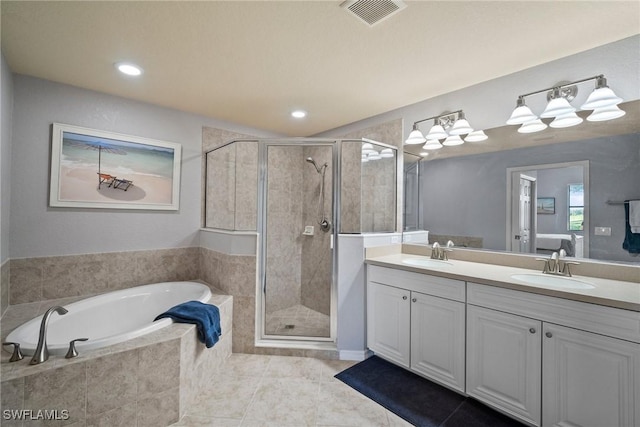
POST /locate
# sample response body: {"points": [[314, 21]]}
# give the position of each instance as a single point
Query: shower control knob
{"points": [[72, 352]]}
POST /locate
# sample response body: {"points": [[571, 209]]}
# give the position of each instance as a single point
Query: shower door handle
{"points": [[331, 241]]}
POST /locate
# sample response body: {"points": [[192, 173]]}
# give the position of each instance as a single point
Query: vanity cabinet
{"points": [[504, 361], [418, 321], [522, 361]]}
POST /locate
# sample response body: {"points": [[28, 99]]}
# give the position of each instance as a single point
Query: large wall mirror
{"points": [[536, 193]]}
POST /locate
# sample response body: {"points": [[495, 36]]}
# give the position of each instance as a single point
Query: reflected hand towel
{"points": [[206, 317]]}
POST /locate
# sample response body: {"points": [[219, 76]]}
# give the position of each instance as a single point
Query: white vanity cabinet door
{"points": [[388, 327], [504, 362], [437, 339], [589, 380]]}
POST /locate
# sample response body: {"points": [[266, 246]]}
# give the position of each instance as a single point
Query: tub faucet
{"points": [[42, 353]]}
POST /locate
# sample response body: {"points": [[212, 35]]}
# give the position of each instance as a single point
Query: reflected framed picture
{"points": [[546, 205], [105, 170]]}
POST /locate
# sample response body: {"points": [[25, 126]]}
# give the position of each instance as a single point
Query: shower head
{"points": [[313, 162]]}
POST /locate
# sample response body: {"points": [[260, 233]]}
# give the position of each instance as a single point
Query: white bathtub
{"points": [[109, 318]]}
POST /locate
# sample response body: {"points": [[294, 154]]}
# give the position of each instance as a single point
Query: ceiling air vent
{"points": [[373, 11]]}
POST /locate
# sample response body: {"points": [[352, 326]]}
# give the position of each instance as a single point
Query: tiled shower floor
{"points": [[298, 320]]}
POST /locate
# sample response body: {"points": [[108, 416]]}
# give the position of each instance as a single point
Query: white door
{"points": [[504, 362], [388, 327], [522, 214], [437, 339], [589, 380]]}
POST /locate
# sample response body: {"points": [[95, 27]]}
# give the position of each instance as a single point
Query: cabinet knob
{"points": [[548, 334], [404, 297], [532, 330], [414, 299]]}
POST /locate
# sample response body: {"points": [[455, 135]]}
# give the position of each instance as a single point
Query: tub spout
{"points": [[42, 353]]}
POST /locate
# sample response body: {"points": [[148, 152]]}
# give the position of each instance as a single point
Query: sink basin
{"points": [[549, 280], [425, 262]]}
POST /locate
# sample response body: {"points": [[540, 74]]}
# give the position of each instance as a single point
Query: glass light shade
{"points": [[557, 107], [460, 127], [520, 115], [600, 98], [365, 160], [367, 148], [415, 137], [432, 144], [566, 120], [476, 136], [386, 153], [374, 156], [436, 132], [453, 140], [607, 113], [532, 126]]}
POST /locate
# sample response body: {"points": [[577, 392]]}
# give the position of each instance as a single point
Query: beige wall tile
{"points": [[12, 395], [124, 416], [161, 409], [111, 382], [158, 368]]}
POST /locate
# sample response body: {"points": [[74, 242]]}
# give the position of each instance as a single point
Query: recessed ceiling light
{"points": [[298, 114], [129, 69]]}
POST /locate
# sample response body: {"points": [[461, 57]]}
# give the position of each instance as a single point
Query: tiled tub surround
{"points": [[147, 381], [4, 286], [44, 278]]}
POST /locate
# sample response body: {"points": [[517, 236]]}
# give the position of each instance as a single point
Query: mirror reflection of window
{"points": [[576, 207]]}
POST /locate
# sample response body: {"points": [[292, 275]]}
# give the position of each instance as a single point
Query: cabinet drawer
{"points": [[424, 283], [614, 322]]}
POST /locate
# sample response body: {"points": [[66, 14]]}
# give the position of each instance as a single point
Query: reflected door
{"points": [[523, 217], [298, 228]]}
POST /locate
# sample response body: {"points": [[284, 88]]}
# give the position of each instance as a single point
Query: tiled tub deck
{"points": [[146, 381]]}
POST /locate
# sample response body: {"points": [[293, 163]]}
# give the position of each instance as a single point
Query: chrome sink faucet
{"points": [[440, 253], [42, 352], [555, 264]]}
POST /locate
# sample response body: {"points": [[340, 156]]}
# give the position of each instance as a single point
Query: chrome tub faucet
{"points": [[42, 353]]}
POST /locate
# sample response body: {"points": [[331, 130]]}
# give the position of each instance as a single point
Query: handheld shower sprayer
{"points": [[324, 223]]}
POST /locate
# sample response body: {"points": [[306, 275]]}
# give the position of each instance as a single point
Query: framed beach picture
{"points": [[546, 205], [96, 169]]}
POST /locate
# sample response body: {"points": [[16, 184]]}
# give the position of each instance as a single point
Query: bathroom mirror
{"points": [[463, 196]]}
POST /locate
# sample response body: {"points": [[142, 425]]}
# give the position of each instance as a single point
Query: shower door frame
{"points": [[262, 339]]}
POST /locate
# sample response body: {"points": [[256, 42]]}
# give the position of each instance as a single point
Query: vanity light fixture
{"points": [[603, 101], [448, 127], [386, 153]]}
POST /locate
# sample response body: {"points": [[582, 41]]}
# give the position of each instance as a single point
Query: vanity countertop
{"points": [[612, 293]]}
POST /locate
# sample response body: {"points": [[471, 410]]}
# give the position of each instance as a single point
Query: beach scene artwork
{"points": [[99, 169]]}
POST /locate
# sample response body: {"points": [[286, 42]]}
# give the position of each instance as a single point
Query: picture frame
{"points": [[546, 205], [105, 170]]}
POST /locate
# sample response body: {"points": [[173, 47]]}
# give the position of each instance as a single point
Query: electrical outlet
{"points": [[602, 231]]}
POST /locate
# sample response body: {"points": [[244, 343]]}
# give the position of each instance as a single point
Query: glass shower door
{"points": [[297, 229]]}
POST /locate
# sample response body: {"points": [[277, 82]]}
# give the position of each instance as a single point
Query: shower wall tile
{"points": [[220, 188], [123, 416], [214, 137], [246, 209], [244, 316], [44, 278]]}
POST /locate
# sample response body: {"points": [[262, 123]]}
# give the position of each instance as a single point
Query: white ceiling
{"points": [[253, 62]]}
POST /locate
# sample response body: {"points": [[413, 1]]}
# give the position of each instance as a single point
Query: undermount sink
{"points": [[425, 262], [549, 280]]}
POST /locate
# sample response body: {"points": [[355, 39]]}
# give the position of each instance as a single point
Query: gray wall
{"points": [[37, 230], [467, 195], [6, 111]]}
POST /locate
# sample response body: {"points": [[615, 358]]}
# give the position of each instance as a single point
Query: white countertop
{"points": [[612, 293]]}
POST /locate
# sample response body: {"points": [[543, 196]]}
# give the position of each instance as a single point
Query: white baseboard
{"points": [[358, 355]]}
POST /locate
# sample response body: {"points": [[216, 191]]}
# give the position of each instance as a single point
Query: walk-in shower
{"points": [[269, 187]]}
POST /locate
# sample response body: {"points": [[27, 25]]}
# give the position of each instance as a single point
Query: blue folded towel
{"points": [[631, 240], [206, 317]]}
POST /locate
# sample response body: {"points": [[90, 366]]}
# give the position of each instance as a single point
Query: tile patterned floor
{"points": [[279, 391], [305, 321]]}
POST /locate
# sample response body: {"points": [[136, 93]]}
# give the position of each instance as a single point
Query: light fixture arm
{"points": [[600, 79], [457, 113]]}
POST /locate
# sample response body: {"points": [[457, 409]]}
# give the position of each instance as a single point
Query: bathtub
{"points": [[109, 318]]}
